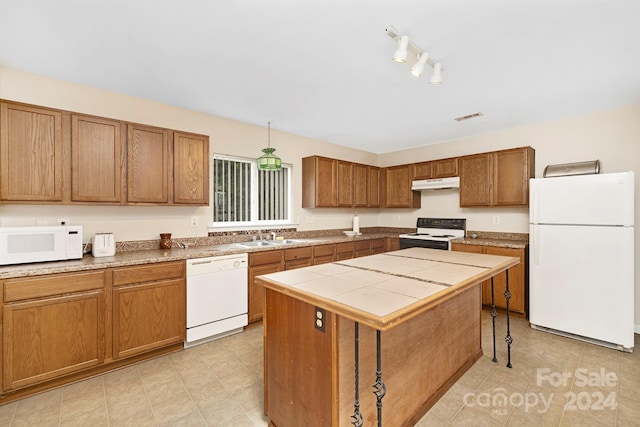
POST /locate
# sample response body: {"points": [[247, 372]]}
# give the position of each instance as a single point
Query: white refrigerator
{"points": [[581, 257]]}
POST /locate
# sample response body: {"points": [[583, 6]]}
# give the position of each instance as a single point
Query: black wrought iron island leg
{"points": [[379, 388], [357, 415], [493, 321], [508, 339]]}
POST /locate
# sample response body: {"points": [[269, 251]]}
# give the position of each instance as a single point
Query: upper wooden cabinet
{"points": [[345, 184], [397, 187], [330, 183], [147, 164], [319, 182], [31, 153], [96, 159], [499, 178], [443, 168], [190, 168], [53, 156]]}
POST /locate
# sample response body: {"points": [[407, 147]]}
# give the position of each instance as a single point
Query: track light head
{"points": [[400, 54], [418, 67], [436, 76]]}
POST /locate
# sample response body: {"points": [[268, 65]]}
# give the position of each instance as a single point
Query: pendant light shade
{"points": [[269, 161], [400, 55]]}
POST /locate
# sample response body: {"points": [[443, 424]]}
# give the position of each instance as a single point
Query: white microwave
{"points": [[19, 245]]}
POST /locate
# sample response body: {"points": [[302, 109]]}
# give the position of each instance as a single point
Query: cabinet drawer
{"points": [[324, 250], [377, 244], [345, 247], [363, 245], [46, 286], [267, 257], [298, 253], [297, 263], [149, 273]]}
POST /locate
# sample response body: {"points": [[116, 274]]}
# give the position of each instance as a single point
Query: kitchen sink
{"points": [[254, 244], [260, 243]]}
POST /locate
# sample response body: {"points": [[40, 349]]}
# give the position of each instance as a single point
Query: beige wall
{"points": [[611, 136]]}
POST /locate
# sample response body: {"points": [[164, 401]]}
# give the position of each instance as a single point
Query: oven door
{"points": [[422, 243]]}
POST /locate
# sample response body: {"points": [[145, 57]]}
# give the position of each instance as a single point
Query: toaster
{"points": [[103, 245]]}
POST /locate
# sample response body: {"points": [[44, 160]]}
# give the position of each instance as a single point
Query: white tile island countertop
{"points": [[385, 289], [406, 321]]}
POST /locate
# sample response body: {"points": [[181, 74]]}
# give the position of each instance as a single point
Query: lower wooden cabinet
{"points": [[149, 307], [52, 326], [261, 263], [323, 254], [62, 327], [298, 257], [518, 283]]}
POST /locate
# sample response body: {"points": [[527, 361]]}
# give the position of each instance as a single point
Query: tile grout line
{"points": [[187, 390]]}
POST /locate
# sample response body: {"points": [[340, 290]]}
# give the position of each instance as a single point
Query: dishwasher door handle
{"points": [[201, 262]]}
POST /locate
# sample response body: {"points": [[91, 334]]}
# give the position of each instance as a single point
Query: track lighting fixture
{"points": [[400, 54], [406, 46], [436, 76], [418, 67]]}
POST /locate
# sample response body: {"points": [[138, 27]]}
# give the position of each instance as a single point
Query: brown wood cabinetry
{"points": [[373, 195], [323, 254], [148, 165], [261, 263], [369, 247], [149, 307], [442, 168], [499, 178], [345, 250], [319, 182], [31, 153], [60, 157], [298, 257], [52, 326], [190, 169], [96, 159], [397, 187], [518, 281], [360, 186], [344, 189]]}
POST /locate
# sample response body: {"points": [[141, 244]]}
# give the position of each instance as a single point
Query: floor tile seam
{"points": [[103, 400], [146, 395], [186, 389], [13, 414]]}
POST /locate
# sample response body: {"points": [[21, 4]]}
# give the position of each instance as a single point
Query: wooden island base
{"points": [[309, 374]]}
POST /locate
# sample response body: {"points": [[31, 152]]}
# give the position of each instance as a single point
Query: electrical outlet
{"points": [[194, 221], [496, 219], [63, 221], [320, 319]]}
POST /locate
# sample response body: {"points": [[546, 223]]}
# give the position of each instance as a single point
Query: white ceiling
{"points": [[323, 68]]}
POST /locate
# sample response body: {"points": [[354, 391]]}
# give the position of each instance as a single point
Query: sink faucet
{"points": [[260, 232]]}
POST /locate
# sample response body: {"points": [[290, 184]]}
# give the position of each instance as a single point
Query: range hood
{"points": [[436, 183]]}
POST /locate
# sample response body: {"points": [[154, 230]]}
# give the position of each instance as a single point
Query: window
{"points": [[244, 195]]}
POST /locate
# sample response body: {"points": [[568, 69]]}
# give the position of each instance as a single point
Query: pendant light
{"points": [[269, 161]]}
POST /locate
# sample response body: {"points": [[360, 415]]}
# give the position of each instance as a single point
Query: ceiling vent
{"points": [[467, 117]]}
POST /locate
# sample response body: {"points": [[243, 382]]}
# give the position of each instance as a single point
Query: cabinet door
{"points": [[360, 185], [516, 282], [423, 170], [345, 183], [147, 316], [190, 169], [298, 257], [319, 182], [148, 166], [324, 253], [53, 337], [373, 200], [256, 292], [345, 250], [475, 180], [398, 192], [96, 159], [378, 246], [31, 153], [445, 168], [511, 173]]}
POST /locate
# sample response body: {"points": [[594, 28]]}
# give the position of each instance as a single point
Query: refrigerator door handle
{"points": [[536, 244]]}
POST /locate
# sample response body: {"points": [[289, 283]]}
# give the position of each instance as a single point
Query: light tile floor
{"points": [[554, 381]]}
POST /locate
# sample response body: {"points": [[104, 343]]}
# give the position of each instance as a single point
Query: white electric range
{"points": [[435, 233]]}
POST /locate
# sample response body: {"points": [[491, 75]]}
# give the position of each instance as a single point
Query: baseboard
{"points": [[636, 329]]}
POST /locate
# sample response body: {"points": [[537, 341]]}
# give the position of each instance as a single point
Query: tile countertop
{"points": [[386, 289], [130, 258]]}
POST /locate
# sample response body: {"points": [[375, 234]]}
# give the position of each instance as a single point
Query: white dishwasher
{"points": [[216, 297]]}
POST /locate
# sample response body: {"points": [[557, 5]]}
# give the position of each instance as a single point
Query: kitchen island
{"points": [[406, 321]]}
